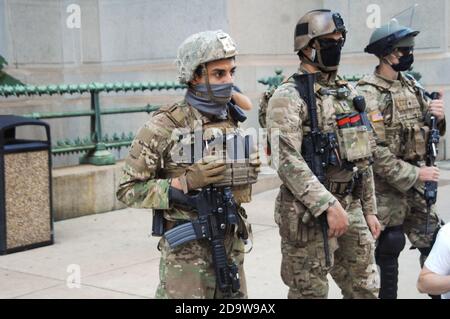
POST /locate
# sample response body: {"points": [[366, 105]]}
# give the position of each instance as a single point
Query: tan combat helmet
{"points": [[317, 23], [201, 48]]}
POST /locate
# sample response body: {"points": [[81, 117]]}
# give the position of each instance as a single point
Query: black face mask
{"points": [[329, 54], [404, 64]]}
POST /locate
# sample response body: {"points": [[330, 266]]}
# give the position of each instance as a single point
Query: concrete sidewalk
{"points": [[118, 259]]}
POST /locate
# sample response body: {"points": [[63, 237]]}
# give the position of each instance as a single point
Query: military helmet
{"points": [[389, 36], [201, 48], [315, 24]]}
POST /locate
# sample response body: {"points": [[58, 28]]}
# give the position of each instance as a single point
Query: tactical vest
{"points": [[337, 117], [403, 129], [238, 175]]}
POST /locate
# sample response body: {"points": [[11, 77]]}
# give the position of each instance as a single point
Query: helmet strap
{"points": [[210, 95]]}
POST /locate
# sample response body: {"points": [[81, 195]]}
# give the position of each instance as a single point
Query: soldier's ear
{"points": [[198, 75], [197, 79]]}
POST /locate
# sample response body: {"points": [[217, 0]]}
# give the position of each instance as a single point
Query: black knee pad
{"points": [[391, 241], [390, 244]]}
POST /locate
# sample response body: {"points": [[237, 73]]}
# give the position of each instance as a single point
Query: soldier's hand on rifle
{"points": [[429, 173], [374, 225], [337, 219], [437, 107]]}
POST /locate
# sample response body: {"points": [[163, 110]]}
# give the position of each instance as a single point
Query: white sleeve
{"points": [[439, 259]]}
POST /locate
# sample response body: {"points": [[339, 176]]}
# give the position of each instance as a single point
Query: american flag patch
{"points": [[376, 116]]}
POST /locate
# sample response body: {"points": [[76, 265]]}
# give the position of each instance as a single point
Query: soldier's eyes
{"points": [[219, 74]]}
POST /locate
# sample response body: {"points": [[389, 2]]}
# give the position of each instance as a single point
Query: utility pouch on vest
{"points": [[235, 149], [354, 143], [414, 142]]}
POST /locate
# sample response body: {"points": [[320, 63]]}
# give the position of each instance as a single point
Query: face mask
{"points": [[200, 98], [404, 64], [329, 54]]}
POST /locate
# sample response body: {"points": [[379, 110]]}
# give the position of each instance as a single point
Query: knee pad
{"points": [[390, 244], [391, 241]]}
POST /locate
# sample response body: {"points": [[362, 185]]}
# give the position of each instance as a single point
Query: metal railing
{"points": [[97, 145]]}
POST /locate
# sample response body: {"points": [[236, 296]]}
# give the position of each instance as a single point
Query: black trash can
{"points": [[26, 217]]}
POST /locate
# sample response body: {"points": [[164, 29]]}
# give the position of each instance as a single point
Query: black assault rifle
{"points": [[315, 140], [430, 192]]}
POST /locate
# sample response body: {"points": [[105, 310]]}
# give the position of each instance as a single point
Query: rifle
{"points": [[216, 210], [430, 192], [305, 87]]}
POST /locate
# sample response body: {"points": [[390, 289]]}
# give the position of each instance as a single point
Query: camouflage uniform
{"points": [[392, 105], [398, 110], [186, 271], [302, 198], [395, 107]]}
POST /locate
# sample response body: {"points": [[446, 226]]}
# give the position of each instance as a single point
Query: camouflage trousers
{"points": [[187, 271], [303, 266], [408, 209]]}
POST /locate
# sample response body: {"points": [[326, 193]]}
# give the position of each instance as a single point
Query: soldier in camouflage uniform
{"points": [[398, 110], [347, 196], [152, 169]]}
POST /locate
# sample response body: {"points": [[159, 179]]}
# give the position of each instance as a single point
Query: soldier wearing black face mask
{"points": [[400, 112], [393, 42], [326, 52], [325, 209]]}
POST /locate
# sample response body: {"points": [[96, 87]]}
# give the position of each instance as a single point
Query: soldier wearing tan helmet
{"points": [[345, 198], [399, 110], [202, 243]]}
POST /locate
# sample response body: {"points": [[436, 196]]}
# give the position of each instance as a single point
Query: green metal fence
{"points": [[96, 147]]}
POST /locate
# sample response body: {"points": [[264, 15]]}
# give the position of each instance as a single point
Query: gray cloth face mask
{"points": [[213, 101]]}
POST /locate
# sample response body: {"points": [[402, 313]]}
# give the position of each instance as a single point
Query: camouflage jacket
{"points": [[151, 163], [397, 110], [288, 113]]}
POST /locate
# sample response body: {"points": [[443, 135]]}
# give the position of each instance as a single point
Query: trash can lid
{"points": [[9, 121]]}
